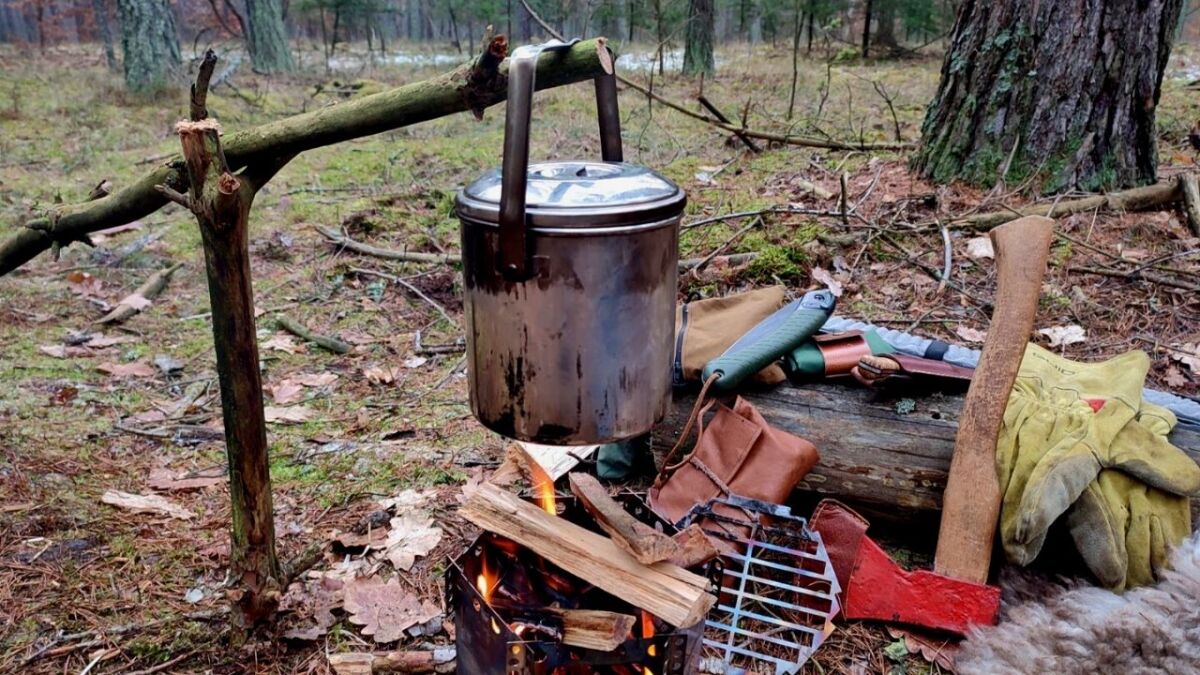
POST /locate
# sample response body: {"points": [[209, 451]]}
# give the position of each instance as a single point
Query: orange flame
{"points": [[546, 497], [647, 633], [486, 581]]}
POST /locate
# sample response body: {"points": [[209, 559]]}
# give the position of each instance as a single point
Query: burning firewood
{"points": [[663, 589], [645, 543], [695, 548]]}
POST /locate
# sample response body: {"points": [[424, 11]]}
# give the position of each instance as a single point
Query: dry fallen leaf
{"points": [[932, 649], [99, 341], [415, 361], [385, 610], [136, 301], [1189, 355], [282, 342], [980, 247], [1061, 336], [287, 392], [165, 479], [289, 415], [823, 277], [135, 369], [317, 379], [312, 600], [970, 334], [382, 375], [151, 503], [412, 535], [84, 284], [406, 501], [64, 351], [1175, 379]]}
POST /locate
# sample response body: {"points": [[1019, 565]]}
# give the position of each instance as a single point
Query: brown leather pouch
{"points": [[737, 452]]}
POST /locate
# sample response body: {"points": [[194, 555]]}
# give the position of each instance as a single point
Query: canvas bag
{"points": [[737, 452], [706, 328]]}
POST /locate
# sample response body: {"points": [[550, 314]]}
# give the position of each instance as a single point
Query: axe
{"points": [[955, 595]]}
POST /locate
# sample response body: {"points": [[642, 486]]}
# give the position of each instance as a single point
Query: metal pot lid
{"points": [[579, 194]]}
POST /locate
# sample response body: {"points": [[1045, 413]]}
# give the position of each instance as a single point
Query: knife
{"points": [[768, 341]]}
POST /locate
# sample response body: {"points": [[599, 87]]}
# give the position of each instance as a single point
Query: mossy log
{"points": [[403, 106], [876, 454]]}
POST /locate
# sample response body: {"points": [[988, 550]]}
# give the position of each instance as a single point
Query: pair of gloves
{"points": [[1078, 439]]}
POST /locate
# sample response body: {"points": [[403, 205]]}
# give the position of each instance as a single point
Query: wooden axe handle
{"points": [[971, 502]]}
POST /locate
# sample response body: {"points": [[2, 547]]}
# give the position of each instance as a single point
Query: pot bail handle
{"points": [[514, 252]]}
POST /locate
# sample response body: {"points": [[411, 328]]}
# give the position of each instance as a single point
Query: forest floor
{"points": [[138, 410]]}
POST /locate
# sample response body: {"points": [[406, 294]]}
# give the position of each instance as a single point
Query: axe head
{"points": [[875, 588]]}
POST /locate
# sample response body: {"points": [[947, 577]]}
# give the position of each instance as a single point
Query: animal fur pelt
{"points": [[1089, 630]]}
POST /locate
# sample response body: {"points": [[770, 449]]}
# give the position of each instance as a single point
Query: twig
{"points": [[416, 291], [724, 245], [149, 290], [121, 629], [345, 242], [163, 666], [946, 263], [1136, 276], [299, 330], [720, 116], [931, 271]]}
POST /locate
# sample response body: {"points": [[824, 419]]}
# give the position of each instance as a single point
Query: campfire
{"points": [[517, 612]]}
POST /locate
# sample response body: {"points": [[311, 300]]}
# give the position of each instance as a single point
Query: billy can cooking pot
{"points": [[570, 271]]}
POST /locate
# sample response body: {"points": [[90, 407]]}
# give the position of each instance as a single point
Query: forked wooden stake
{"points": [[221, 203]]}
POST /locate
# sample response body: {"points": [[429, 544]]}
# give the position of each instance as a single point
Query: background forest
{"points": [[866, 145]]}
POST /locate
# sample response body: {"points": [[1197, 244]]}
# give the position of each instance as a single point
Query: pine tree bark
{"points": [[150, 44], [267, 38], [1061, 92], [698, 47]]}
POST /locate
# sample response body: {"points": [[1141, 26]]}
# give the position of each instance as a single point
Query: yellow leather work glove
{"points": [[1123, 528], [1049, 444]]}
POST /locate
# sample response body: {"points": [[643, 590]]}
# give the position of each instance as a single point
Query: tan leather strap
{"points": [[696, 417]]}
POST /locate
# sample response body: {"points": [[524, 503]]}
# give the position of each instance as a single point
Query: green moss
{"points": [[781, 263]]}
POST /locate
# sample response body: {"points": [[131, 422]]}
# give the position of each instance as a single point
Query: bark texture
{"points": [[150, 44], [698, 47], [1062, 91], [100, 10], [267, 37]]}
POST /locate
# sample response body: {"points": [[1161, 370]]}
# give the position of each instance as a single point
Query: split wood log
{"points": [[593, 628], [665, 590], [1146, 198], [140, 298], [221, 202], [640, 540], [409, 662], [695, 548], [890, 465], [399, 107]]}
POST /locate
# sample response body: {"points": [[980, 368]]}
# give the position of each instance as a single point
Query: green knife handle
{"points": [[736, 367]]}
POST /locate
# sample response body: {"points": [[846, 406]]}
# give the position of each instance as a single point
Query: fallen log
{"points": [[638, 539], [1145, 198], [440, 660], [459, 90], [890, 464], [665, 590]]}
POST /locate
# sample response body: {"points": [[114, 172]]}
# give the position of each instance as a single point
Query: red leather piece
{"points": [[875, 588]]}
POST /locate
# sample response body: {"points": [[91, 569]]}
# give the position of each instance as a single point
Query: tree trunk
{"points": [[150, 44], [866, 34], [885, 25], [1064, 93], [100, 9], [266, 37], [698, 49]]}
